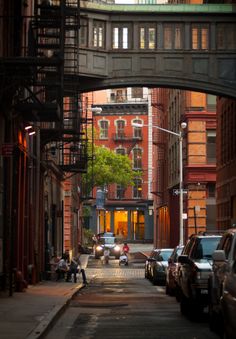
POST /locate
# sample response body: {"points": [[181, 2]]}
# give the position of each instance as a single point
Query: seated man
{"points": [[62, 268], [75, 267]]}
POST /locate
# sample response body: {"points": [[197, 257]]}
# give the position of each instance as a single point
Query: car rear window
{"points": [[205, 248]]}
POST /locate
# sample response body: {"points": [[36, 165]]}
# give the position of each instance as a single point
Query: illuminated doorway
{"points": [[104, 221], [121, 224], [137, 225]]}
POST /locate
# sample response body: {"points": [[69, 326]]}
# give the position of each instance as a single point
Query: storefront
{"points": [[128, 222]]}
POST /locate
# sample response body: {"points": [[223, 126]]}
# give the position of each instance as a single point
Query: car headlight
{"points": [[99, 248], [117, 248]]}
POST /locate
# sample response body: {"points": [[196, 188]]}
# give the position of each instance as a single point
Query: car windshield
{"points": [[206, 247], [108, 241]]}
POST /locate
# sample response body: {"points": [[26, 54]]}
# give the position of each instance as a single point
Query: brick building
{"points": [[199, 164], [128, 212]]}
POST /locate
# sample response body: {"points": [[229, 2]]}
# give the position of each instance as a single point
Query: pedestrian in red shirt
{"points": [[126, 248]]}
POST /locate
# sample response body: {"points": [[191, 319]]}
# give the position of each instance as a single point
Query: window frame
{"points": [[137, 192], [99, 34], [103, 132], [197, 41], [120, 38], [137, 162]]}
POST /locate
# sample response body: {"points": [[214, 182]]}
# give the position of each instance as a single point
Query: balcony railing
{"points": [[126, 137]]}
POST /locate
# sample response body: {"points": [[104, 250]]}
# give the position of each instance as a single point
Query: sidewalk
{"points": [[29, 314]]}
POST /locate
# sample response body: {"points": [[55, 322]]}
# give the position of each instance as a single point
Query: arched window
{"points": [[137, 158], [103, 129], [120, 151]]}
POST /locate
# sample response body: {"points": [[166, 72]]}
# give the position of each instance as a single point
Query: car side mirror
{"points": [[183, 259], [218, 255], [170, 261]]}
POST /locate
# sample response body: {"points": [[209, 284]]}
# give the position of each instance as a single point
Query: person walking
{"points": [[106, 255]]}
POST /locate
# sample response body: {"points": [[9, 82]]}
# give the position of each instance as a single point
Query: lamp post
{"points": [[99, 193], [183, 125]]}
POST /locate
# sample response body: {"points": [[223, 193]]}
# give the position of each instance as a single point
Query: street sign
{"points": [[100, 199], [177, 191]]}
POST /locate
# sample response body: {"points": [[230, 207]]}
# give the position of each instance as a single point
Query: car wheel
{"points": [[167, 289]]}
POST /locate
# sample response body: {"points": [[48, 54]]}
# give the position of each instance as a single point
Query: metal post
{"points": [[181, 228]]}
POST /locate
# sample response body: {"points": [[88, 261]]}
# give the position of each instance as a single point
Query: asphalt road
{"points": [[120, 303]]}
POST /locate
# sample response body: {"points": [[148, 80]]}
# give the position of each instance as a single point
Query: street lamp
{"points": [[183, 125], [96, 110]]}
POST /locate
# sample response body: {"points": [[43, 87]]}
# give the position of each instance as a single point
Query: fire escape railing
{"points": [[42, 73]]}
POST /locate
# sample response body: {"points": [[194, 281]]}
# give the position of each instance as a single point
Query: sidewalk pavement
{"points": [[28, 315]]}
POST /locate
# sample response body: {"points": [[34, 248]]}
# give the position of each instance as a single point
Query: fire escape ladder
{"points": [[42, 97], [68, 143]]}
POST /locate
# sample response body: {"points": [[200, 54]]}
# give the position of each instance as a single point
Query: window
{"points": [[167, 37], [118, 95], [120, 191], [137, 92], [83, 33], [120, 37], [137, 158], [137, 130], [147, 36], [120, 129], [226, 36], [200, 39], [173, 36], [211, 188], [177, 38], [103, 129], [120, 151], [211, 146], [211, 102], [98, 34], [137, 189]]}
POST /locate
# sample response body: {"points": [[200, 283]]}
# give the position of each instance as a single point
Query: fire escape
{"points": [[46, 77]]}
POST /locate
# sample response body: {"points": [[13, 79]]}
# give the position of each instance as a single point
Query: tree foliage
{"points": [[108, 167]]}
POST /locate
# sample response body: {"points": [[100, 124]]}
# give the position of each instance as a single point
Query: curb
{"points": [[49, 320]]}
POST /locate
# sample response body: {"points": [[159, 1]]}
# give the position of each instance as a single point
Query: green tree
{"points": [[107, 167]]}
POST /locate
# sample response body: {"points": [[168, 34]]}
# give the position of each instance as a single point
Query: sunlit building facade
{"points": [[128, 211]]}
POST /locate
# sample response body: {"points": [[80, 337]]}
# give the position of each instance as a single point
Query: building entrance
{"points": [[121, 224], [137, 225]]}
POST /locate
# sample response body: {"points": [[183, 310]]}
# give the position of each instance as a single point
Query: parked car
{"points": [[158, 266], [148, 263], [220, 287], [171, 270], [194, 269], [110, 243]]}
